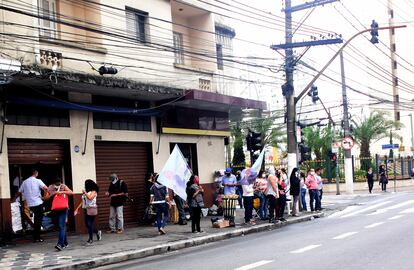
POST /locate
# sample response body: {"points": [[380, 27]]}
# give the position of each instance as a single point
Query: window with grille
{"points": [[219, 55], [137, 24], [47, 22], [178, 48], [204, 84]]}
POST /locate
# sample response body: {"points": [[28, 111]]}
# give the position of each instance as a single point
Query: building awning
{"points": [[210, 101]]}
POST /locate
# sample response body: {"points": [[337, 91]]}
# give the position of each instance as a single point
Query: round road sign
{"points": [[347, 143]]}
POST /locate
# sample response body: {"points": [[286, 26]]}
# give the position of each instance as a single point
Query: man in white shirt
{"points": [[31, 188], [318, 176]]}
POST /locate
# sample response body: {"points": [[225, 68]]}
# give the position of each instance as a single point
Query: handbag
{"points": [[92, 211], [60, 202]]}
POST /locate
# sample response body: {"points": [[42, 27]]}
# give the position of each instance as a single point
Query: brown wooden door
{"points": [[35, 151], [130, 161]]}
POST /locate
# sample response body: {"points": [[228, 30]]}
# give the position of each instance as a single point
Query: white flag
{"points": [[258, 163], [175, 173]]}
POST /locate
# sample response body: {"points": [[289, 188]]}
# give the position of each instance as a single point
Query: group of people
{"points": [[37, 195], [383, 179], [271, 191]]}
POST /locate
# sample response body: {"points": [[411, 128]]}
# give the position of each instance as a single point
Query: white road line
{"points": [[373, 225], [253, 265], [407, 211], [343, 212], [400, 205], [396, 217], [366, 209], [344, 235], [301, 250]]}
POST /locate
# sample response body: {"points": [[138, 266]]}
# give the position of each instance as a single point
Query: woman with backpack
{"points": [[88, 204], [60, 192]]}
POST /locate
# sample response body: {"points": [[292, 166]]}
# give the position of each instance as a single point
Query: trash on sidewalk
{"points": [[16, 217], [220, 223]]}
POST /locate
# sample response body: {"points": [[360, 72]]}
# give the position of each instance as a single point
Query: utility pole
{"points": [[349, 180], [394, 64], [287, 88], [412, 135]]}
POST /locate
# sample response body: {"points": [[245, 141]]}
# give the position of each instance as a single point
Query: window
{"points": [[137, 24], [47, 9], [36, 116], [178, 48], [121, 122], [219, 54]]}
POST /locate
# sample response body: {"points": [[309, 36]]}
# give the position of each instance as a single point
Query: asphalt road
{"points": [[375, 234]]}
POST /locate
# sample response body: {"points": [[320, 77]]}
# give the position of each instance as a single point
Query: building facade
{"points": [[112, 86]]}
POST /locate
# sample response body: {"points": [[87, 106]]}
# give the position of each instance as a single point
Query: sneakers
{"points": [[120, 231], [283, 219], [110, 231], [40, 240], [162, 231], [59, 247], [89, 242], [99, 235]]}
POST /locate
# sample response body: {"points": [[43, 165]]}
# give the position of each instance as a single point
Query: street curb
{"points": [[177, 245]]}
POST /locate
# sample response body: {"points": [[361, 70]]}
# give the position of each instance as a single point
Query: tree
{"points": [[319, 140], [239, 159], [371, 129], [273, 135]]}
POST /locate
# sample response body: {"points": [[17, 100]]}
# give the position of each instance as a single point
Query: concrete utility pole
{"points": [[412, 135], [290, 95], [394, 64], [349, 181]]}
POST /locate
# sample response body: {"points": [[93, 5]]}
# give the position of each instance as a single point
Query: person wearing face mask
{"points": [[313, 186], [295, 190], [118, 193], [229, 182]]}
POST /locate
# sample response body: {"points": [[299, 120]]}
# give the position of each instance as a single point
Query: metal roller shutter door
{"points": [[130, 162], [35, 151]]}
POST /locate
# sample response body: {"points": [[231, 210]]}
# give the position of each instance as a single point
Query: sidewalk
{"points": [[135, 243]]}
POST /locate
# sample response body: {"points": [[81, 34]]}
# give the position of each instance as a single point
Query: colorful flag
{"points": [[249, 175], [175, 173]]}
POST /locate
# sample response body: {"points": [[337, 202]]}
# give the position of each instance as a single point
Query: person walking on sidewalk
{"points": [[370, 179], [383, 181], [272, 193], [60, 189], [32, 188], [303, 191], [180, 208], [118, 193], [248, 192], [160, 199], [313, 185], [318, 177], [197, 202], [90, 208], [295, 190]]}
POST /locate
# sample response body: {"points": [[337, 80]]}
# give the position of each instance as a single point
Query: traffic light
{"points": [[374, 32], [305, 153], [254, 141], [313, 93]]}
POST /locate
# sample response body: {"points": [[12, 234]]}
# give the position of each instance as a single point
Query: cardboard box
{"points": [[222, 223]]}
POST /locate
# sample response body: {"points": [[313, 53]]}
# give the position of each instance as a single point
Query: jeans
{"points": [[295, 206], [61, 221], [248, 208], [180, 207], [272, 206], [195, 219], [161, 208], [319, 203], [383, 186], [314, 198], [303, 197], [280, 206], [239, 191], [90, 225], [38, 217], [116, 215], [263, 206]]}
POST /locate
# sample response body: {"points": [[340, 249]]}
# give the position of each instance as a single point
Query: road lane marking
{"points": [[343, 212], [366, 209], [344, 235], [407, 211], [400, 205], [373, 225], [253, 265], [301, 250], [396, 217], [379, 211]]}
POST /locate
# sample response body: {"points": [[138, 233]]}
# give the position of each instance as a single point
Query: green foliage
{"points": [[319, 140], [239, 158]]}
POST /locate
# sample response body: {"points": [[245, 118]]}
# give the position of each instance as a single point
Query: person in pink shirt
{"points": [[312, 183], [261, 186]]}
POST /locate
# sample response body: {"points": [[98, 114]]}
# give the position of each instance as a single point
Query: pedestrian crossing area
{"points": [[376, 208]]}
